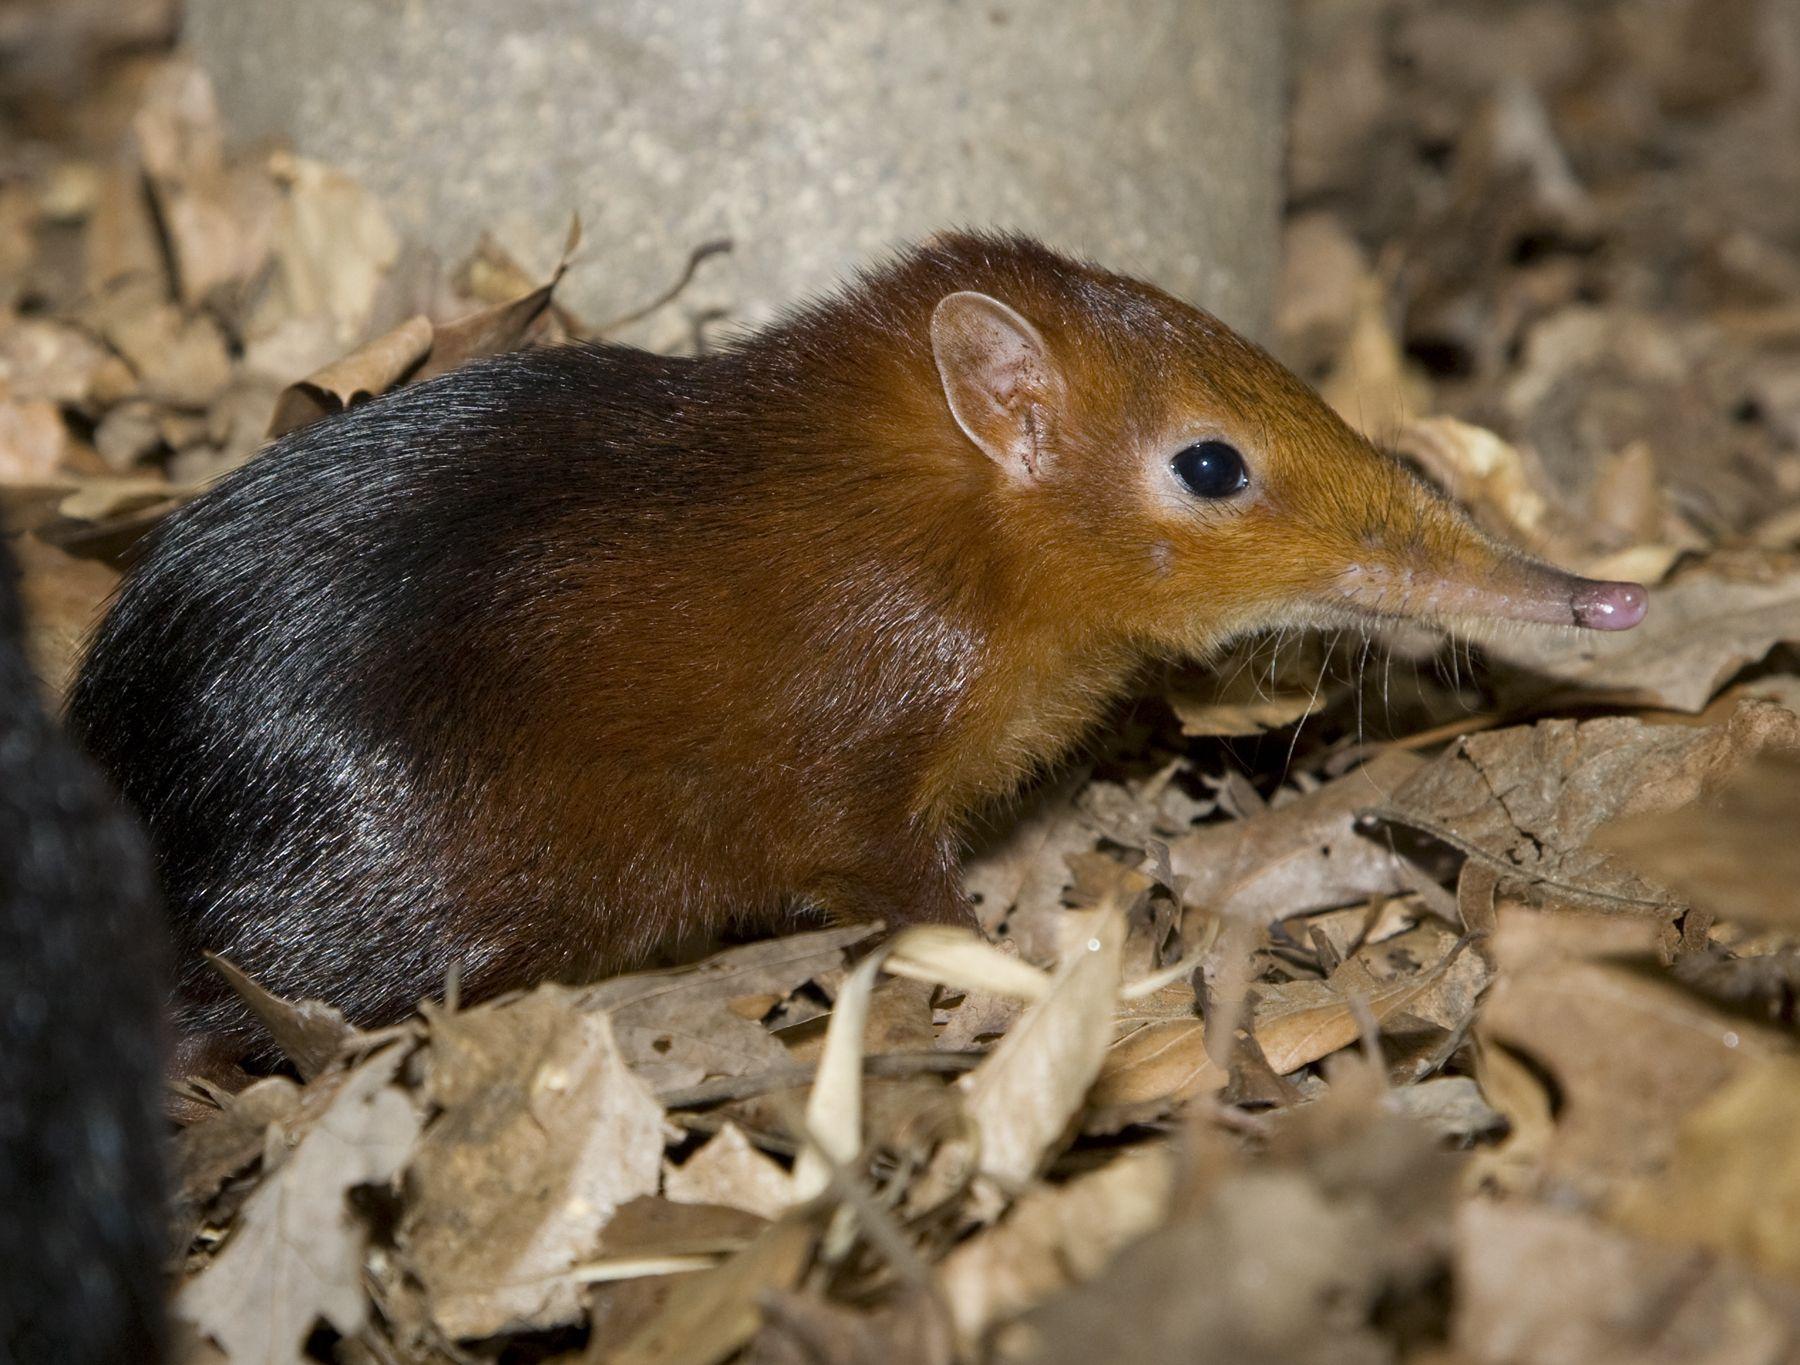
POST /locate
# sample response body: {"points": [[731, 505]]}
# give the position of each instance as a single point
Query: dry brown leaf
{"points": [[491, 275], [1523, 1099], [1025, 1093], [129, 433], [650, 1226], [709, 1315], [1298, 1022], [99, 500], [1239, 704], [1733, 1183], [1450, 1001], [678, 1027], [121, 243], [1451, 1107], [1019, 880], [1304, 856], [977, 1021], [1528, 800], [1624, 1045], [296, 1255], [33, 440], [1505, 490], [180, 359], [209, 1152], [1734, 854], [41, 358], [542, 1132], [1351, 1201], [1163, 1060], [501, 327], [803, 1329], [1545, 1285], [1322, 268], [63, 597], [1054, 1237], [834, 1107], [310, 1033], [948, 956], [1704, 625], [332, 247], [1371, 384], [217, 219], [729, 1171], [1628, 506], [371, 369]]}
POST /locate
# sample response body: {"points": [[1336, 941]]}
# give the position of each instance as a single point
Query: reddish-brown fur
{"points": [[763, 628]]}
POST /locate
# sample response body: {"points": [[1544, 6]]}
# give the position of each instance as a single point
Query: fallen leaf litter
{"points": [[1455, 1023]]}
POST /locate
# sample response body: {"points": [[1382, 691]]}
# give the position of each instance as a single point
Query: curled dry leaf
{"points": [[416, 350], [501, 327], [296, 1255], [372, 368], [521, 1168]]}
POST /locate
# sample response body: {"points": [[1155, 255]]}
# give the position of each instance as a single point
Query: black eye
{"points": [[1212, 469]]}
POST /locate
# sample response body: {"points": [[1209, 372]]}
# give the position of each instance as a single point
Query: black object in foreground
{"points": [[81, 996]]}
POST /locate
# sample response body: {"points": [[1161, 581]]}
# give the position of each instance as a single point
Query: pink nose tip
{"points": [[1609, 606]]}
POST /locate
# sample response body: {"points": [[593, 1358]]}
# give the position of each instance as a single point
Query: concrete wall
{"points": [[815, 133]]}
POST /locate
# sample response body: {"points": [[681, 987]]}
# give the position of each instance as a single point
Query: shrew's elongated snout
{"points": [[1465, 575], [1414, 555]]}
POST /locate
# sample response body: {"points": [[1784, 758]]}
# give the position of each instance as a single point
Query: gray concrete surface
{"points": [[814, 133]]}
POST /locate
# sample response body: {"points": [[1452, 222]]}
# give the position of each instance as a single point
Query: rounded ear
{"points": [[1002, 383]]}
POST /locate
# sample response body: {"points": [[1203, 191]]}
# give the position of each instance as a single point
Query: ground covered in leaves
{"points": [[1360, 1000]]}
